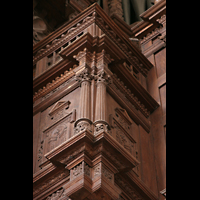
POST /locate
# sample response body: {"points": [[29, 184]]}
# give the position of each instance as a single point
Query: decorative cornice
{"points": [[134, 91], [53, 84], [62, 30], [153, 19], [130, 96], [94, 14], [154, 11], [49, 182]]}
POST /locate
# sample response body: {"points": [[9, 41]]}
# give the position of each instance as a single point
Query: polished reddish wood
{"points": [[99, 109]]}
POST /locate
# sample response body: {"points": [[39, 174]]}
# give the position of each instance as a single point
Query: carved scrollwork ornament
{"points": [[102, 127], [82, 125]]}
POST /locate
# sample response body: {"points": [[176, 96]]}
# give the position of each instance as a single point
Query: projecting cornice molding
{"points": [[71, 30], [128, 84], [153, 19]]}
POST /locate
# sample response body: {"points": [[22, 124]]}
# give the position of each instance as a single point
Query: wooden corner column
{"points": [[102, 80], [84, 77]]}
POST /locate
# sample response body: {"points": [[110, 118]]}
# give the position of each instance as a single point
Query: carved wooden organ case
{"points": [[87, 108]]}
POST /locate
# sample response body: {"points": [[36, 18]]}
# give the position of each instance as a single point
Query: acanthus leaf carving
{"points": [[102, 77], [85, 75]]}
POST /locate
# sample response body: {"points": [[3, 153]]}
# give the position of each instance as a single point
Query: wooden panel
{"points": [[41, 66], [59, 122], [165, 133], [159, 145], [133, 129], [163, 98], [148, 173], [160, 60], [36, 123], [152, 85]]}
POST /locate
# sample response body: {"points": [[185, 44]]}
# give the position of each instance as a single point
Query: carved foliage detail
{"points": [[107, 174], [84, 76], [81, 168], [99, 170], [77, 170], [87, 169], [58, 195], [115, 7], [40, 150], [102, 77]]}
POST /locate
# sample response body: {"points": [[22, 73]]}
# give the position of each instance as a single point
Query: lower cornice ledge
{"points": [[84, 135]]}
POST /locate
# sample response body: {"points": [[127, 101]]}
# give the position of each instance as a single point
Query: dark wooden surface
{"points": [[99, 128]]}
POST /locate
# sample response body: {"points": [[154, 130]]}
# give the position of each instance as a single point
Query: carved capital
{"points": [[102, 77], [84, 76]]}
